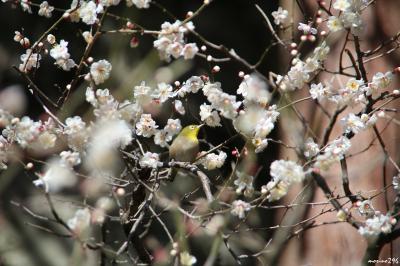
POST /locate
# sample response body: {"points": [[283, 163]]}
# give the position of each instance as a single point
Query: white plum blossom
{"points": [[254, 90], [107, 137], [376, 225], [266, 125], [320, 92], [333, 153], [115, 133], [109, 2], [295, 79], [141, 3], [73, 12], [45, 9], [189, 51], [173, 127], [192, 85], [51, 39], [209, 116], [275, 190], [396, 182], [175, 49], [248, 119], [129, 111], [380, 81], [107, 108], [29, 60], [369, 121], [300, 72], [280, 16], [46, 140], [80, 222], [74, 125], [239, 207], [24, 131], [161, 138], [352, 21], [353, 93], [307, 29], [225, 103], [60, 53], [284, 174], [146, 126], [259, 144], [77, 133], [365, 208], [349, 16], [87, 36], [352, 123], [244, 182], [56, 177], [354, 85], [102, 151], [286, 171], [26, 7], [70, 158], [163, 92], [334, 24], [310, 148], [91, 97], [256, 123], [178, 105], [4, 149], [88, 12], [18, 37], [171, 41], [212, 160], [339, 146], [100, 71], [150, 160], [186, 259], [342, 5], [142, 93]]}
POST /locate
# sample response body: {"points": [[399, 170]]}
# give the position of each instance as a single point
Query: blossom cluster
{"points": [[349, 16], [302, 71], [353, 92], [171, 41], [284, 174], [376, 225]]}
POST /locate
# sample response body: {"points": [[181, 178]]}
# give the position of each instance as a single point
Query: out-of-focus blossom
{"points": [[141, 3], [186, 259], [146, 126], [56, 177], [150, 160], [280, 16], [239, 208], [212, 160], [80, 222]]}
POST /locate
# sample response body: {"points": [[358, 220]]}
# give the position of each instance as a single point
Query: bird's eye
{"points": [[191, 127]]}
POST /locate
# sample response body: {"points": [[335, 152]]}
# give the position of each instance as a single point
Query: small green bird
{"points": [[185, 146]]}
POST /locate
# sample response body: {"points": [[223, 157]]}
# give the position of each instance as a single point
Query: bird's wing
{"points": [[183, 150]]}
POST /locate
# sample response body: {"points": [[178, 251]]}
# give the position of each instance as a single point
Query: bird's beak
{"points": [[199, 126]]}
